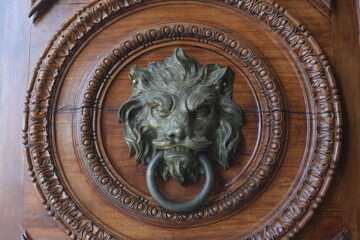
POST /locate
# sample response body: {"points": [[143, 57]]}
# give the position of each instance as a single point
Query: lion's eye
{"points": [[161, 112], [202, 111]]}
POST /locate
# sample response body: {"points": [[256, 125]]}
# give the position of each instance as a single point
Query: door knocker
{"points": [[180, 118]]}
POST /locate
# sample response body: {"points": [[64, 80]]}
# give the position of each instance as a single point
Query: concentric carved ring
{"points": [[272, 107], [194, 203], [319, 82]]}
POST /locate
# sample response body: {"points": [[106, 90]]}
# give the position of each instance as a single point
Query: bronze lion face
{"points": [[182, 109]]}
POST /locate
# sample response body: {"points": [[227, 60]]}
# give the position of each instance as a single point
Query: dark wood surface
{"points": [[346, 65], [324, 6], [23, 42]]}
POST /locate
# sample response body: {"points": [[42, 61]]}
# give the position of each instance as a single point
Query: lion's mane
{"points": [[180, 72]]}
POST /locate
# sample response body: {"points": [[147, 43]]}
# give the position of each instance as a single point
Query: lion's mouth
{"points": [[176, 149], [188, 145], [180, 159]]}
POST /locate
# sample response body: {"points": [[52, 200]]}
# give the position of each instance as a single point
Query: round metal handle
{"points": [[194, 203]]}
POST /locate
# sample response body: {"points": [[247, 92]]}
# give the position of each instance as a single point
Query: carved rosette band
{"points": [[39, 158]]}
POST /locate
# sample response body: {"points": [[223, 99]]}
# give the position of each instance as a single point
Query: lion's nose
{"points": [[174, 134], [177, 127]]}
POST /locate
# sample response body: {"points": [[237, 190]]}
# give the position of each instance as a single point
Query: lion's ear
{"points": [[139, 77], [227, 82], [134, 74], [220, 77]]}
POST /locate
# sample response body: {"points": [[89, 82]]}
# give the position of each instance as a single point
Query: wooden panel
{"points": [[346, 64], [326, 223], [14, 56], [323, 5], [78, 68], [36, 220]]}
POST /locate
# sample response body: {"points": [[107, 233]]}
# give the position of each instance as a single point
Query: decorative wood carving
{"points": [[273, 108], [340, 236], [26, 236], [324, 6], [320, 94], [39, 6]]}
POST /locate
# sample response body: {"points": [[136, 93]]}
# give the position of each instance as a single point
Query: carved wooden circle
{"points": [[289, 99], [273, 131]]}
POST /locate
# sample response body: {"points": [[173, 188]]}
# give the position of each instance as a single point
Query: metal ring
{"points": [[194, 203]]}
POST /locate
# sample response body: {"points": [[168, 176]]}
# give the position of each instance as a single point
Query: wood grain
{"points": [[329, 218], [61, 204], [324, 6], [346, 63], [14, 51]]}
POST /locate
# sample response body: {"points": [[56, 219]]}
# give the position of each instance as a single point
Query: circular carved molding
{"points": [[320, 84], [274, 130]]}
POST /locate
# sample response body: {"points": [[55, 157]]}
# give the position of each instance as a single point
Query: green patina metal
{"points": [[181, 109]]}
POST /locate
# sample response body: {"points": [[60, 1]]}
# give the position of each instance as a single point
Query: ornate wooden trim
{"points": [[343, 235], [340, 236], [323, 6], [275, 127], [26, 236], [39, 6], [314, 63]]}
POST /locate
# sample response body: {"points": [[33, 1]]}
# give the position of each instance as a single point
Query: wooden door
{"points": [[293, 74]]}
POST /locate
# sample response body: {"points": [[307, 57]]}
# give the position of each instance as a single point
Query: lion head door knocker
{"points": [[178, 119]]}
